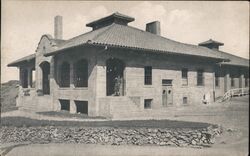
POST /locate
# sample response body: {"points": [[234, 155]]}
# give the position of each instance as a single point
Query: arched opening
{"points": [[81, 73], [24, 78], [45, 66], [65, 75], [115, 77]]}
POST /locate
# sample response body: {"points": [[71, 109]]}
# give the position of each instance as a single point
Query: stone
{"points": [[162, 143], [193, 142], [170, 143]]}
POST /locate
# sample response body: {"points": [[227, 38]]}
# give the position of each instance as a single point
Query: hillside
{"points": [[9, 91]]}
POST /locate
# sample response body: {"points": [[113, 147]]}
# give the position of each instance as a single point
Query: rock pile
{"points": [[109, 135]]}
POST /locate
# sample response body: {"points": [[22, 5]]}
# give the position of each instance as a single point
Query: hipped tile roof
{"points": [[123, 36], [234, 60], [210, 41], [130, 37], [21, 60]]}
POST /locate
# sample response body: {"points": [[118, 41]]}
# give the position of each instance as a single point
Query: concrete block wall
{"points": [[44, 46], [73, 93], [219, 90], [161, 69]]}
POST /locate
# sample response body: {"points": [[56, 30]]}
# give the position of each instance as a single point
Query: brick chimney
{"points": [[58, 27], [154, 27]]}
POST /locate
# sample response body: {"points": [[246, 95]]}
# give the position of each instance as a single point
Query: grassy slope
{"points": [[9, 91], [27, 122]]}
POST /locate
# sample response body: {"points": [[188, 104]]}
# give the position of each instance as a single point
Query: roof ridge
{"points": [[83, 34], [232, 55], [156, 35], [188, 44]]}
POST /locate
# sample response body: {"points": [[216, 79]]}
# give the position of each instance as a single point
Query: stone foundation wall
{"points": [[111, 136]]}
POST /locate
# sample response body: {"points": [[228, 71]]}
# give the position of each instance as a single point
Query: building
{"points": [[118, 70]]}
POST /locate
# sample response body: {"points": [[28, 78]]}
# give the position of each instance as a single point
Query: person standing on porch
{"points": [[117, 85]]}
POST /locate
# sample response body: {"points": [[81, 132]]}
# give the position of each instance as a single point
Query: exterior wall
{"points": [[72, 93], [219, 90], [162, 68], [239, 75], [43, 47]]}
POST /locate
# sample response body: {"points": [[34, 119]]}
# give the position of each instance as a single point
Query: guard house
{"points": [[117, 70]]}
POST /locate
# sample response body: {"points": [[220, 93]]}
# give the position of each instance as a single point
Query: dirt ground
{"points": [[232, 116]]}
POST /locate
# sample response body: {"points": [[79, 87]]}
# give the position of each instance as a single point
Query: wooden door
{"points": [[167, 92]]}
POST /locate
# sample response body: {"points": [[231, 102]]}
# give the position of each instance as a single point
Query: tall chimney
{"points": [[58, 28], [154, 27]]}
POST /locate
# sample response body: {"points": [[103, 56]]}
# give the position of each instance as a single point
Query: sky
{"points": [[24, 22]]}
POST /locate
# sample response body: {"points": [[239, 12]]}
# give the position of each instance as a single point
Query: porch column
{"points": [[227, 82], [52, 75], [72, 108], [71, 75], [39, 78], [20, 77], [242, 81], [52, 67]]}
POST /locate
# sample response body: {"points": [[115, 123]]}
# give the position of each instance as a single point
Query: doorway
{"points": [[115, 77], [167, 92], [45, 66]]}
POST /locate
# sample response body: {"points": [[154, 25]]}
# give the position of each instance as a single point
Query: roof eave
{"points": [[17, 64], [238, 65], [132, 48], [26, 59]]}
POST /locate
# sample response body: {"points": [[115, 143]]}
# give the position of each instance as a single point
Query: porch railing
{"points": [[234, 92]]}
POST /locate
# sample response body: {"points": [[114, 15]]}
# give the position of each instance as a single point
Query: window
{"points": [[217, 80], [148, 75], [147, 103], [185, 100], [232, 82], [82, 107], [81, 73], [65, 104], [184, 75], [65, 75], [200, 79], [167, 82]]}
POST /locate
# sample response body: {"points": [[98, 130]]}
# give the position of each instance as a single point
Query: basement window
{"points": [[82, 107], [147, 103], [185, 100], [65, 104]]}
